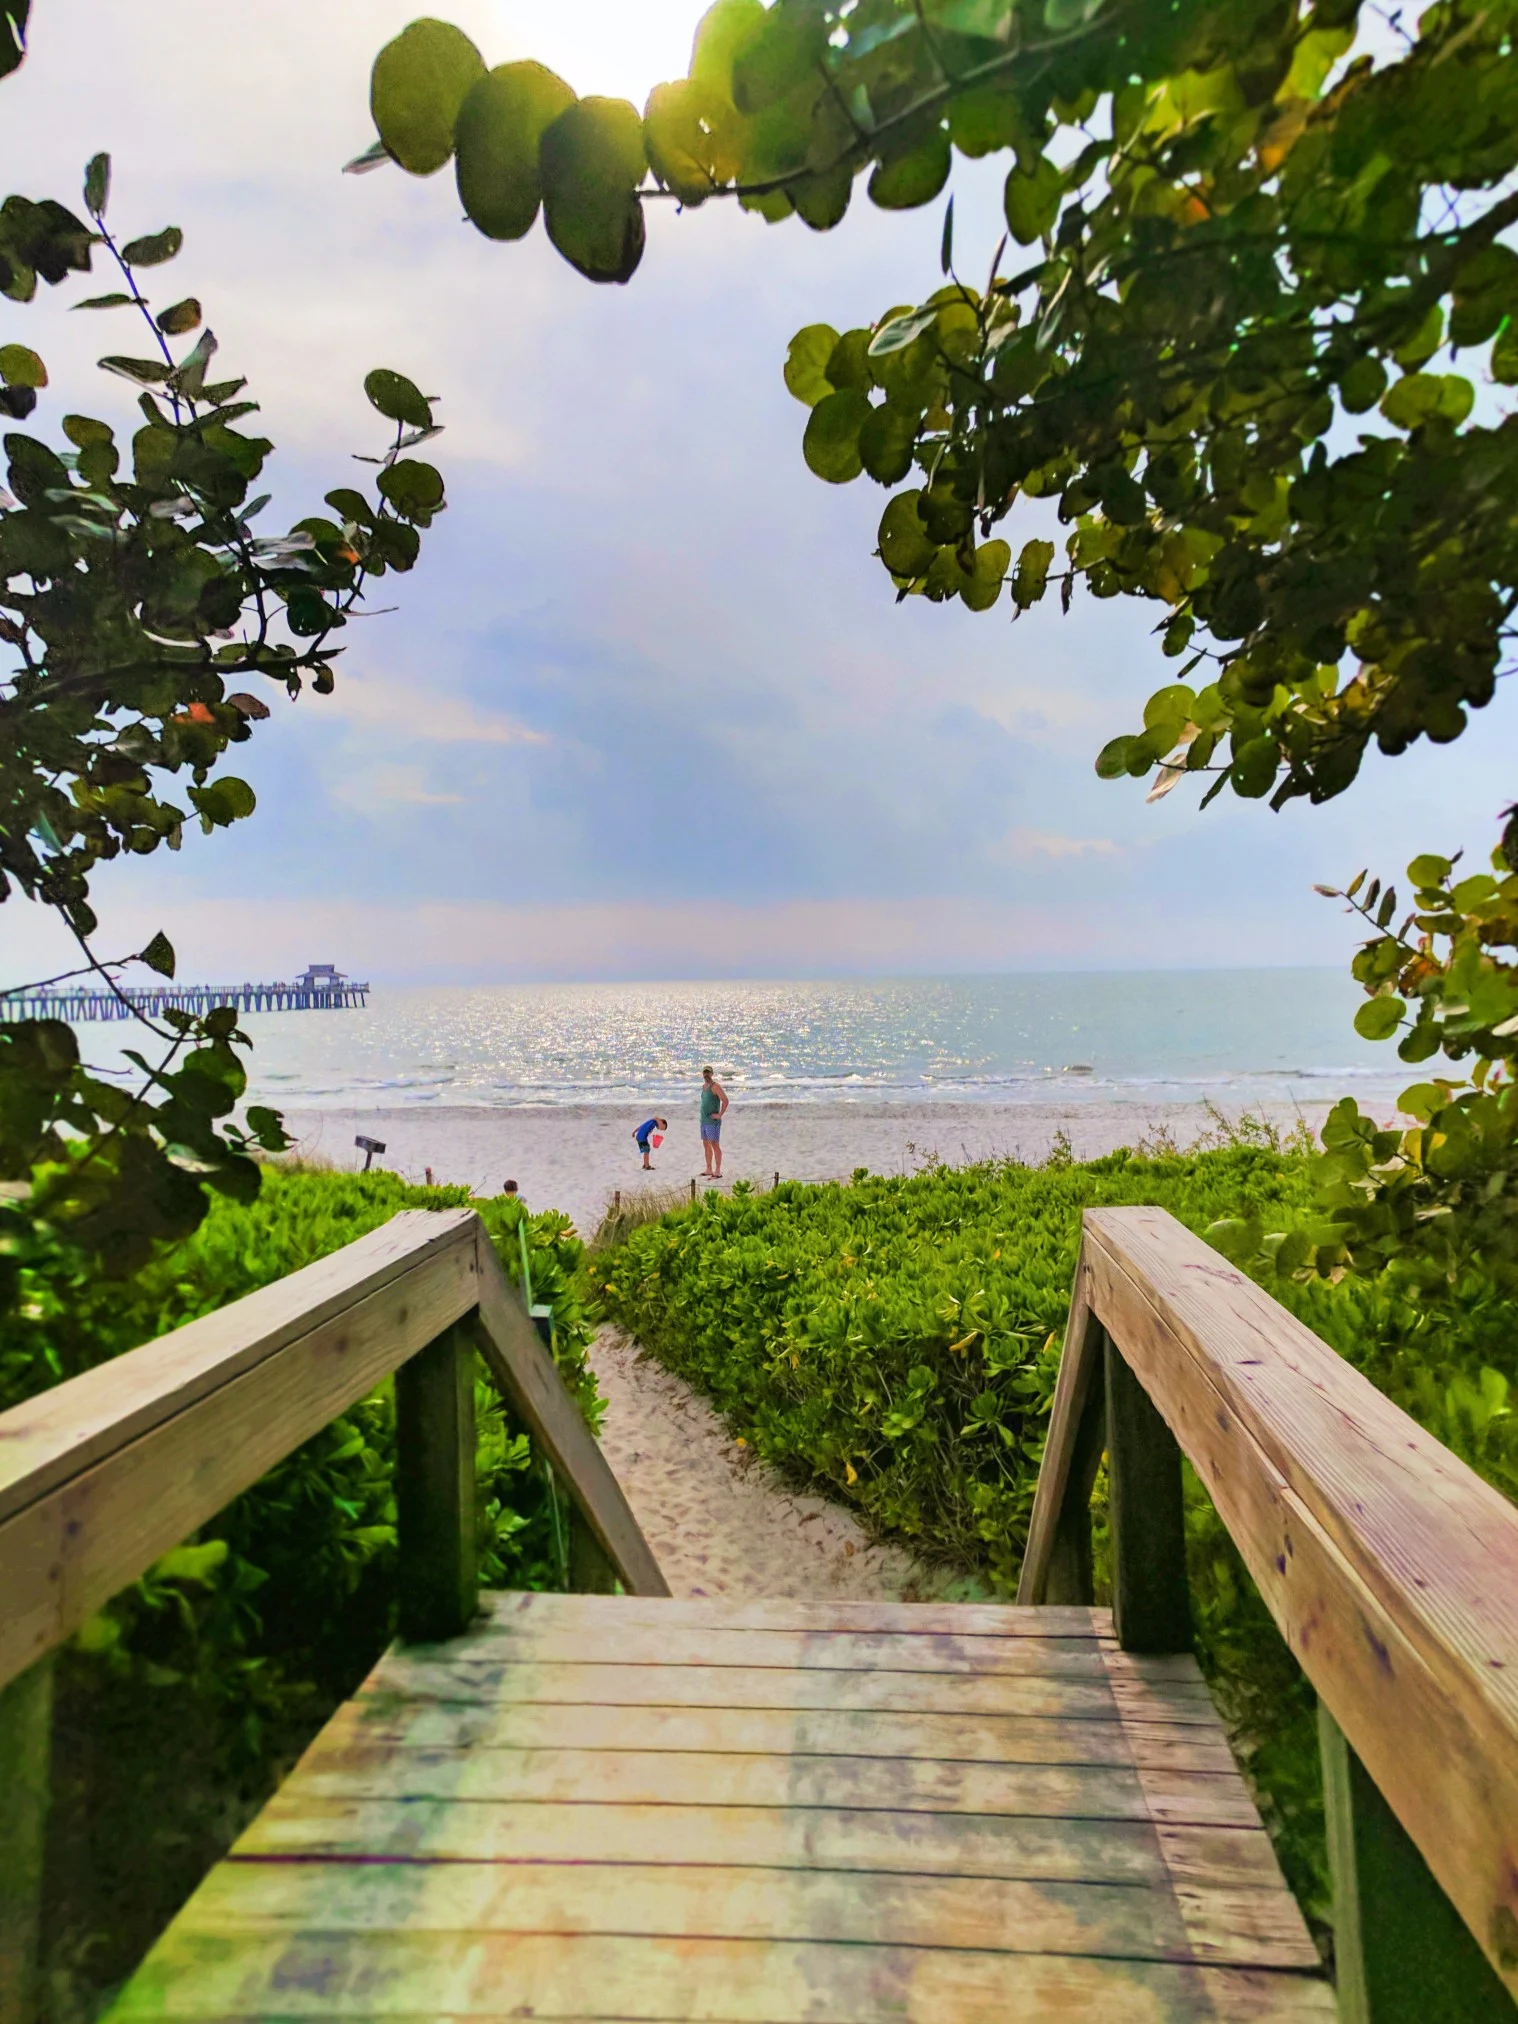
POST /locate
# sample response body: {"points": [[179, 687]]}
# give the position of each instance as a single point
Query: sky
{"points": [[647, 707]]}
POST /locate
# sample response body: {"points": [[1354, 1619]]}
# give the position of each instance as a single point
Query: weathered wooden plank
{"points": [[958, 1620], [993, 1739], [1112, 1921], [525, 1372], [1391, 1568], [61, 1433], [455, 1827], [87, 1536], [439, 1976], [677, 1686], [1060, 1524], [341, 1765], [833, 1651]]}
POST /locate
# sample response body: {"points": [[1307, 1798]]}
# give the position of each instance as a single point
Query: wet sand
{"points": [[572, 1158]]}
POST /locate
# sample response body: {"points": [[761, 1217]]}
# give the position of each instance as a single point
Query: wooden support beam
{"points": [[528, 1378], [434, 1488], [26, 1729], [1402, 1953], [1151, 1603], [1057, 1561]]}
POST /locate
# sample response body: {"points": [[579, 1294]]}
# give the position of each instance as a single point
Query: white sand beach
{"points": [[571, 1157]]}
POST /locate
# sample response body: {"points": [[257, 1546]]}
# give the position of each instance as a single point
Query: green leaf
{"points": [[159, 955], [1422, 396], [946, 244], [496, 136], [806, 363], [676, 141], [144, 371], [831, 442], [992, 561], [113, 301], [1379, 1018], [417, 88], [886, 444], [155, 249], [1505, 354], [1061, 16], [183, 316], [1363, 385], [398, 397], [905, 546], [1032, 576], [592, 161], [97, 185], [1429, 870], [1253, 771], [1031, 200], [1116, 759], [13, 15], [913, 179], [414, 489], [20, 367], [897, 332]]}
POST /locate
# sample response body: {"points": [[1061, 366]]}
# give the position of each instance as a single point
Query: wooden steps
{"points": [[628, 1808]]}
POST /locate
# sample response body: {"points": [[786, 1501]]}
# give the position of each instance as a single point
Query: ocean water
{"points": [[1235, 1036]]}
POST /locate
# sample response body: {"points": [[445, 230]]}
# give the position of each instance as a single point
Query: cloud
{"points": [[372, 702], [1022, 843], [404, 784]]}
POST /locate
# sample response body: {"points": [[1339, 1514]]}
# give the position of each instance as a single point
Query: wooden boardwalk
{"points": [[620, 1807]]}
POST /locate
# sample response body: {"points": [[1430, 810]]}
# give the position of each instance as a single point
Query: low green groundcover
{"points": [[895, 1342]]}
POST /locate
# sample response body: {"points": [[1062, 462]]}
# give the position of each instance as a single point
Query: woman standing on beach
{"points": [[713, 1110]]}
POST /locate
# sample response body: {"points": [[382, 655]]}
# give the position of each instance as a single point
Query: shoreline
{"points": [[573, 1157]]}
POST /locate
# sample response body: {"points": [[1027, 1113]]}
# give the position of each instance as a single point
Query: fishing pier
{"points": [[322, 988]]}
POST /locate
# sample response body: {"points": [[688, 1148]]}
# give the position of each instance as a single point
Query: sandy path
{"points": [[720, 1522]]}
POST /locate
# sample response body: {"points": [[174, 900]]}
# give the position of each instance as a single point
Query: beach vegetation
{"points": [[186, 1699], [895, 1342]]}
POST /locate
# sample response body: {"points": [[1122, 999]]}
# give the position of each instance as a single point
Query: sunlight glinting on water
{"points": [[1237, 1036]]}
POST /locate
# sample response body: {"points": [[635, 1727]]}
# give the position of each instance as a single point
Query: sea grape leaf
{"points": [[592, 160], [21, 367], [179, 318], [159, 955], [1031, 200], [915, 178], [831, 442], [806, 363], [97, 185], [398, 397], [496, 138], [906, 548], [417, 88], [153, 249]]}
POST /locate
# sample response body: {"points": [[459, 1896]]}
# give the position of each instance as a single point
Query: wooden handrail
{"points": [[106, 1472], [1390, 1567]]}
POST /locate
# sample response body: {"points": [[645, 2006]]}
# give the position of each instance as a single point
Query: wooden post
{"points": [[26, 1728], [693, 1187], [434, 1487], [1402, 1953], [1070, 1578], [590, 1568], [1151, 1604]]}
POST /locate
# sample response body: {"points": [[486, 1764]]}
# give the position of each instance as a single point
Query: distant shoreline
{"points": [[572, 1156]]}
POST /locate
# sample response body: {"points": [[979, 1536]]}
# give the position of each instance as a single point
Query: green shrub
{"points": [[896, 1342]]}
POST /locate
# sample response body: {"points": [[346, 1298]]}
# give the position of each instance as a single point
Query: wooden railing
{"points": [[105, 1473], [1389, 1566]]}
